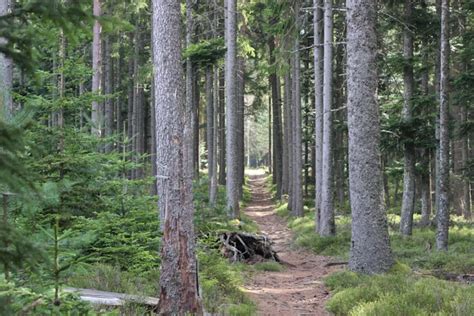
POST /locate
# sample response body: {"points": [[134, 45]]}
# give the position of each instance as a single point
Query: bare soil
{"points": [[299, 288]]}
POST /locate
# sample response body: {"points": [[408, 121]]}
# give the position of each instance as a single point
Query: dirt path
{"points": [[297, 290]]}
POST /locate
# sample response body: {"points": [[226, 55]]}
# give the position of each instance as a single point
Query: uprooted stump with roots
{"points": [[249, 248]]}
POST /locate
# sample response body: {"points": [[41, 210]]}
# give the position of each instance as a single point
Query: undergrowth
{"points": [[406, 290], [399, 292]]}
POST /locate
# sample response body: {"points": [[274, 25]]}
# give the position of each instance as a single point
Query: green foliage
{"points": [[115, 279], [268, 266], [397, 293], [16, 300], [206, 52]]}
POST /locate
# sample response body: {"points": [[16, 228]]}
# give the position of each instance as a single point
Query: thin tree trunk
{"points": [[222, 129], [297, 199], [408, 199], [277, 134], [370, 246], [109, 111], [213, 166], [96, 68], [6, 71], [443, 176], [327, 225], [466, 198], [318, 87], [240, 125], [210, 124], [179, 293], [289, 137], [232, 153]]}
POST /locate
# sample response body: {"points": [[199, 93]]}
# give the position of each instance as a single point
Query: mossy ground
{"points": [[405, 290]]}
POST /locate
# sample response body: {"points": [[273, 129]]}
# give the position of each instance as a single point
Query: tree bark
{"points": [[232, 150], [297, 198], [191, 113], [276, 110], [213, 166], [96, 68], [408, 199], [109, 106], [370, 246], [210, 125], [6, 71], [178, 279], [222, 129], [443, 169], [318, 88], [240, 125], [289, 137], [327, 226]]}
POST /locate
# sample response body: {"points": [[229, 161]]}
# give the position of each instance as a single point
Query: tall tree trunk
{"points": [[285, 148], [232, 149], [443, 175], [270, 147], [297, 199], [6, 71], [327, 226], [178, 279], [109, 110], [210, 124], [195, 117], [213, 166], [408, 200], [130, 94], [289, 140], [96, 68], [222, 129], [370, 246], [240, 125], [276, 110], [466, 197], [189, 127], [318, 95]]}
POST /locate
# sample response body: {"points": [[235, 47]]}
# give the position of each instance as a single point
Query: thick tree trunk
{"points": [[408, 200], [370, 246], [443, 164], [6, 71], [327, 226], [232, 150], [318, 87], [178, 279], [96, 68], [297, 190]]}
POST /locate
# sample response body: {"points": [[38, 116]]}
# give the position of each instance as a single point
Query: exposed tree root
{"points": [[244, 247]]}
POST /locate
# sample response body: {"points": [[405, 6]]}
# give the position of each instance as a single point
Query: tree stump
{"points": [[245, 247]]}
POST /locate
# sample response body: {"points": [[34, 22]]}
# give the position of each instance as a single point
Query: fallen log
{"points": [[245, 247], [110, 298]]}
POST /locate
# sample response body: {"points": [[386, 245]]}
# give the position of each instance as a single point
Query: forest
{"points": [[224, 157]]}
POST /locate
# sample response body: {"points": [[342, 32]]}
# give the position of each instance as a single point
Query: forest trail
{"points": [[299, 288]]}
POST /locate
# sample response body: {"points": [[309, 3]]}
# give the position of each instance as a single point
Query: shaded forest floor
{"points": [[298, 288]]}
